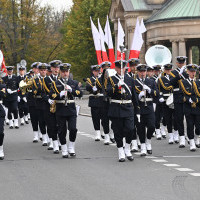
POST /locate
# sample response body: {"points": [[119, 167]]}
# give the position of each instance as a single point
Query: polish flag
{"points": [[3, 70], [103, 48], [137, 41], [120, 40], [109, 42], [97, 41]]}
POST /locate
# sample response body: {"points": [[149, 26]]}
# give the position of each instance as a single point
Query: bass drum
{"points": [[170, 101]]}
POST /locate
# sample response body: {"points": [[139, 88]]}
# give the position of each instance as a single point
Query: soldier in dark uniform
{"points": [[150, 72], [49, 72], [133, 63], [166, 89], [191, 106], [50, 116], [123, 102], [147, 91], [11, 103], [63, 91], [95, 100], [101, 83], [40, 104], [175, 77], [2, 117], [22, 100]]}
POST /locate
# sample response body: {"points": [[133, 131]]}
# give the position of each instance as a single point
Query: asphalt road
{"points": [[30, 171]]}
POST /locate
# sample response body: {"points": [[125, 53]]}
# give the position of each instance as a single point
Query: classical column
{"points": [[175, 50], [182, 47], [190, 55]]}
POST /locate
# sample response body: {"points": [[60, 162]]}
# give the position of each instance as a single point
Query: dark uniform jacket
{"points": [[96, 98], [189, 92], [2, 95], [61, 108], [12, 84], [154, 93], [175, 81], [30, 95], [117, 110]]}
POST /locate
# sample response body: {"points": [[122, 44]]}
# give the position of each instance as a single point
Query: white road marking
{"points": [[151, 157], [181, 156], [159, 160], [79, 132], [171, 165], [85, 134], [194, 174], [184, 169]]}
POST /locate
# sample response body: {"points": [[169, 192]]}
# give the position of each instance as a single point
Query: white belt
{"points": [[97, 95], [161, 93], [38, 97], [166, 95], [120, 101], [147, 99], [63, 101], [1, 102], [176, 89]]}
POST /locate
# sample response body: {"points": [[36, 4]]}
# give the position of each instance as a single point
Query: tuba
{"points": [[25, 84]]}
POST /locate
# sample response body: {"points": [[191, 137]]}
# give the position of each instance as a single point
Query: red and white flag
{"points": [[3, 70], [137, 41], [97, 41], [120, 40], [109, 42], [103, 48]]}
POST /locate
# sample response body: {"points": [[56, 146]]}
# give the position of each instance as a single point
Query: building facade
{"points": [[172, 23]]}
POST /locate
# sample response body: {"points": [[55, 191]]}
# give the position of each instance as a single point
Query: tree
{"points": [[78, 42]]}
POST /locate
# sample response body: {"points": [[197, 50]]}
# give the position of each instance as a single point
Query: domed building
{"points": [[172, 23]]}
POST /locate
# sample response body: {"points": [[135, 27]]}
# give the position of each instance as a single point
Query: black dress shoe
{"points": [[1, 158], [50, 148], [60, 148], [181, 146], [102, 136], [26, 122], [139, 146], [44, 144], [130, 158], [112, 140], [35, 141], [171, 143], [176, 142], [198, 145], [97, 140], [143, 154], [193, 150], [72, 154], [22, 124], [16, 127], [134, 150], [107, 143], [159, 138], [149, 151], [40, 139], [56, 152], [122, 160], [11, 127], [164, 136], [66, 156], [7, 123]]}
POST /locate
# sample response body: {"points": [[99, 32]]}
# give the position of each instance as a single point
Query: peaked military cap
{"points": [[192, 67], [42, 66], [64, 66], [181, 59], [22, 67], [48, 67], [35, 65], [168, 66], [55, 63], [149, 68], [142, 67], [105, 64], [157, 67], [95, 67], [10, 68], [119, 62], [134, 61]]}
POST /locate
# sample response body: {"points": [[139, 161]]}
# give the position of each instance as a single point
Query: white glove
{"points": [[142, 94], [138, 117], [120, 83], [18, 98], [145, 87], [51, 101], [69, 89], [182, 70], [24, 99], [94, 89], [9, 91], [62, 93], [190, 100], [161, 100]]}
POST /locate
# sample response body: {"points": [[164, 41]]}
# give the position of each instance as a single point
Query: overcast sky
{"points": [[58, 4]]}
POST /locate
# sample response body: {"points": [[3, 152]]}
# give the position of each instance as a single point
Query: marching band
{"points": [[131, 106]]}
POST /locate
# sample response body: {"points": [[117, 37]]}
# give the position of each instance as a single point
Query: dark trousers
{"points": [[62, 128], [178, 110], [52, 129], [169, 118], [123, 127], [158, 115], [105, 118], [23, 109], [1, 130], [12, 108], [146, 121], [136, 124], [96, 117], [37, 118], [192, 121]]}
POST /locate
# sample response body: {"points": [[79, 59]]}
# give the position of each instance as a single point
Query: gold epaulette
{"points": [[172, 74], [89, 81], [163, 85], [55, 88], [34, 83], [105, 83], [45, 86], [98, 83], [137, 89], [183, 89], [196, 89]]}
